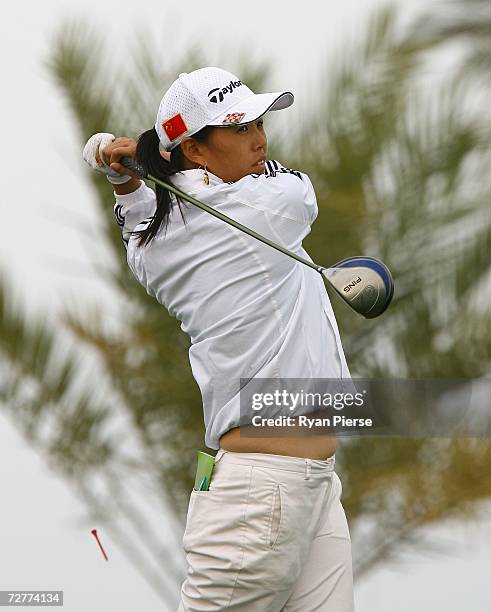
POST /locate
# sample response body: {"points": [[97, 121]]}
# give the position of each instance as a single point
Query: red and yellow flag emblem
{"points": [[174, 127]]}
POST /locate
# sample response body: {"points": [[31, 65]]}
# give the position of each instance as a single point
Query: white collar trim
{"points": [[193, 180]]}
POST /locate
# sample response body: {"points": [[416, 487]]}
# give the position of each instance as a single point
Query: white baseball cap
{"points": [[210, 96]]}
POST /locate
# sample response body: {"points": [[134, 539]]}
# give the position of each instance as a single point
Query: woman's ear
{"points": [[192, 151]]}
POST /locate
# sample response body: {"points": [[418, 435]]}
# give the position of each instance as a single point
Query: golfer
{"points": [[270, 533]]}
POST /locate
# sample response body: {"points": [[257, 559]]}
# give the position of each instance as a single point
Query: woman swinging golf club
{"points": [[270, 533]]}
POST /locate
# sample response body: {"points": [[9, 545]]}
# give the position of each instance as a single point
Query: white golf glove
{"points": [[98, 142]]}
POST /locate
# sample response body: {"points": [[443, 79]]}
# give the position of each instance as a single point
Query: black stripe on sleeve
{"points": [[119, 215], [273, 168]]}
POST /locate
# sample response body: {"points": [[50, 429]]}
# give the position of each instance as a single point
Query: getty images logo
{"points": [[216, 95]]}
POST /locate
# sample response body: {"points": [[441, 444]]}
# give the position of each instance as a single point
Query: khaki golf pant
{"points": [[269, 535]]}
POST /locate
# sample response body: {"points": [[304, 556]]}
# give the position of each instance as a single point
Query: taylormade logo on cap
{"points": [[210, 96], [218, 94]]}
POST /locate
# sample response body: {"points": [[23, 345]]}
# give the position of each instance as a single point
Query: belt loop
{"points": [[308, 463]]}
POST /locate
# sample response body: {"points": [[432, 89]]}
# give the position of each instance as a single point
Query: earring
{"points": [[206, 178]]}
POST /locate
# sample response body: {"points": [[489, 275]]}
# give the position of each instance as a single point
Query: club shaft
{"points": [[129, 163]]}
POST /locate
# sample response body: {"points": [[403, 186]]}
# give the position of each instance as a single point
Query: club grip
{"points": [[131, 164]]}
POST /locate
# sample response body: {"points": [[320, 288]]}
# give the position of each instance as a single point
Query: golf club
{"points": [[364, 283]]}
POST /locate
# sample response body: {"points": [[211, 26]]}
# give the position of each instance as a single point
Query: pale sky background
{"points": [[45, 543]]}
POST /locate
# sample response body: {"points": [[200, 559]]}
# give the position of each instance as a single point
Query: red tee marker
{"points": [[94, 533]]}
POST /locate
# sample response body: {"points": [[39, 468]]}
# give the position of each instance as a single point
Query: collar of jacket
{"points": [[192, 180]]}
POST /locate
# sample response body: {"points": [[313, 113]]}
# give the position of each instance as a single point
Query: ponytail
{"points": [[148, 156]]}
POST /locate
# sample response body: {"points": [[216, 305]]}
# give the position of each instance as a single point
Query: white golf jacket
{"points": [[249, 310]]}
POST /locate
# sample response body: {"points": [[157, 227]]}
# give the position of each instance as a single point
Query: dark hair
{"points": [[149, 157]]}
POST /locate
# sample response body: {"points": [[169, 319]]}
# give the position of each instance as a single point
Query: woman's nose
{"points": [[260, 140]]}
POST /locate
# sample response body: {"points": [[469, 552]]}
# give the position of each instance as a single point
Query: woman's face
{"points": [[232, 152]]}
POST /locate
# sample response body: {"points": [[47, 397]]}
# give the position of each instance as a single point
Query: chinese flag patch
{"points": [[174, 127]]}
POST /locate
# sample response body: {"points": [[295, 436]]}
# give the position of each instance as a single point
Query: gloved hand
{"points": [[93, 154]]}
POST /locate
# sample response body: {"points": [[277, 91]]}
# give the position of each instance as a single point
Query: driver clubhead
{"points": [[365, 283]]}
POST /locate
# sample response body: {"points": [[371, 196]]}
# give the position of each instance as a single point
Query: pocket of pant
{"points": [[218, 508], [192, 500], [275, 515]]}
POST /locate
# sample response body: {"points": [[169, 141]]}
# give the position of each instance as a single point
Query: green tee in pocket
{"points": [[204, 470]]}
